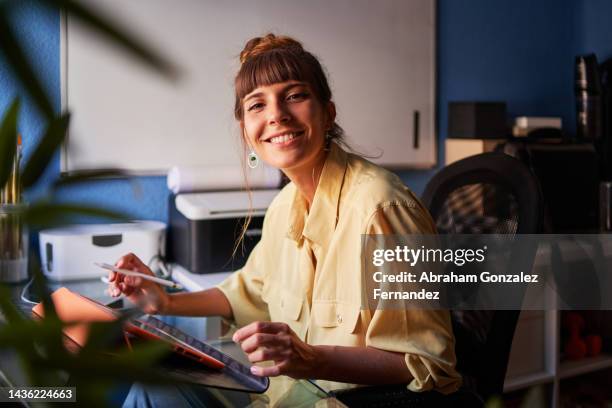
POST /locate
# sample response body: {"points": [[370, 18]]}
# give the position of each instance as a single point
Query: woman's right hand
{"points": [[149, 296]]}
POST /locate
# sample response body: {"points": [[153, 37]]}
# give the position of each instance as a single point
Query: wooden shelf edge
{"points": [[568, 369], [527, 380]]}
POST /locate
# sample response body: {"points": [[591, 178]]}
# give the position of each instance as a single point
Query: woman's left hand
{"points": [[265, 341]]}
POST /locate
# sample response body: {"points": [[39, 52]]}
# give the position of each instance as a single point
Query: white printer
{"points": [[204, 227], [69, 253]]}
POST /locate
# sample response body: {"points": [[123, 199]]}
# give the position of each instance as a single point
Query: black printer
{"points": [[204, 227]]}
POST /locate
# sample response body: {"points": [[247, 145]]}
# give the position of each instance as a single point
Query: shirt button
{"points": [[339, 319], [282, 303]]}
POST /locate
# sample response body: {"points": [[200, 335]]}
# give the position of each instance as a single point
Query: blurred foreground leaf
{"points": [[535, 398], [8, 309], [104, 335], [494, 402], [86, 176], [145, 352], [89, 176], [33, 330], [108, 368], [8, 140], [117, 35], [54, 342], [46, 215], [48, 145]]}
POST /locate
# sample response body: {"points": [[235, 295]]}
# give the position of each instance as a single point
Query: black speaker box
{"points": [[477, 120]]}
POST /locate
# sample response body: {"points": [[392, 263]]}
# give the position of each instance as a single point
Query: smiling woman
{"points": [[298, 299], [283, 103]]}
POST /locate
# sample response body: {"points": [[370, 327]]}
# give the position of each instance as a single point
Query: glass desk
{"points": [[283, 391]]}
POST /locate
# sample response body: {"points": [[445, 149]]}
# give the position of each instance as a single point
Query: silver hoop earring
{"points": [[252, 159]]}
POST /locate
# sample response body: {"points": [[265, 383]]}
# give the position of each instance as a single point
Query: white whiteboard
{"points": [[380, 56]]}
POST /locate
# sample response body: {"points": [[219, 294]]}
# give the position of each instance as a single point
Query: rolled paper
{"points": [[211, 178]]}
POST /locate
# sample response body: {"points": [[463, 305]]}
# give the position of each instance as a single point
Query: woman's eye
{"points": [[297, 96], [255, 106]]}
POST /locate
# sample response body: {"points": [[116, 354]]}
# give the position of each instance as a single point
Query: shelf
{"points": [[524, 381], [572, 368]]}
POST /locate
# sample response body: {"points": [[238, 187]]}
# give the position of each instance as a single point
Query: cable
{"points": [[164, 271], [167, 272], [23, 292]]}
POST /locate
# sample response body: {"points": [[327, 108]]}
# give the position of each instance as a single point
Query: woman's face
{"points": [[285, 125]]}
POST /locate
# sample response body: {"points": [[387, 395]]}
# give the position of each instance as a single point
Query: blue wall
{"points": [[38, 30], [518, 51], [596, 33]]}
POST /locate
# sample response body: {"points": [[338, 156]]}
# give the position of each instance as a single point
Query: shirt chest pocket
{"points": [[342, 316], [284, 308], [291, 307], [290, 312]]}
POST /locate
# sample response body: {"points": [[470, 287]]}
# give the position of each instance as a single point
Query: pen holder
{"points": [[13, 244]]}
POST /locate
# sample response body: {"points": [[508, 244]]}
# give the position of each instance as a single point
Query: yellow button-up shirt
{"points": [[307, 268]]}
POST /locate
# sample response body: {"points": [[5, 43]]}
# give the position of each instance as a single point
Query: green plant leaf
{"points": [[54, 341], [50, 142], [8, 308], [28, 331], [100, 367], [103, 336], [87, 176], [39, 283], [145, 352], [31, 338], [12, 50], [46, 215], [117, 35], [8, 140]]}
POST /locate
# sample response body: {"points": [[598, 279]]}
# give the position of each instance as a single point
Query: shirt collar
{"points": [[319, 224]]}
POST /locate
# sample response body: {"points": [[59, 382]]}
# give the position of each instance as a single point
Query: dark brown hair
{"points": [[272, 59]]}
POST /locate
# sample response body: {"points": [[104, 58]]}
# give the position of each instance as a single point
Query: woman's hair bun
{"points": [[260, 45]]}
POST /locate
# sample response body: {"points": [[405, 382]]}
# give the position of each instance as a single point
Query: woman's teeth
{"points": [[283, 138]]}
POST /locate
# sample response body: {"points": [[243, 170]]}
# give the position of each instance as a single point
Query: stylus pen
{"points": [[127, 272]]}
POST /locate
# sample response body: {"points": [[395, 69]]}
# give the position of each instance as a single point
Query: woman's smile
{"points": [[285, 139]]}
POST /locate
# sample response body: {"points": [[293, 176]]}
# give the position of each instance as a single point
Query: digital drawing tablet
{"points": [[233, 375]]}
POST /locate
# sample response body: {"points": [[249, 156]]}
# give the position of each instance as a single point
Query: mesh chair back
{"points": [[490, 193], [478, 208]]}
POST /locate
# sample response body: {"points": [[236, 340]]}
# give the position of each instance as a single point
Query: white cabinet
{"points": [[380, 56]]}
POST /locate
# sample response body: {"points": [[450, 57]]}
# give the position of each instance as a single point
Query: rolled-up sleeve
{"points": [[424, 336], [243, 289]]}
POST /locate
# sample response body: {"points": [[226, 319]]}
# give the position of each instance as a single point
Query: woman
{"points": [[298, 299]]}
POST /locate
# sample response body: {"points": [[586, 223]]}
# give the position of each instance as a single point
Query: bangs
{"points": [[272, 67]]}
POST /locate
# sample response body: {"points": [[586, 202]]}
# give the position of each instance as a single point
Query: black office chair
{"points": [[490, 193], [487, 193]]}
